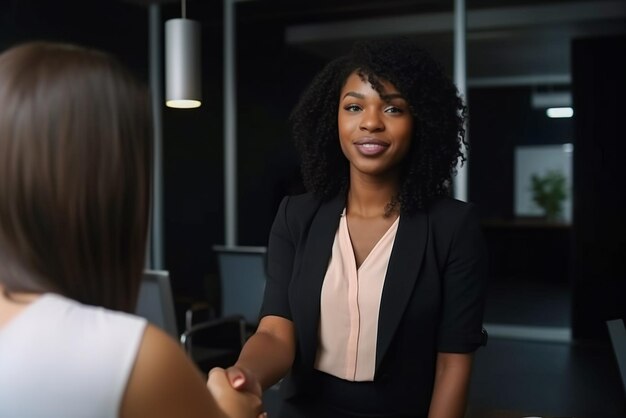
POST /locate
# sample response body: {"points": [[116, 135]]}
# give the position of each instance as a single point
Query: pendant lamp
{"points": [[183, 86]]}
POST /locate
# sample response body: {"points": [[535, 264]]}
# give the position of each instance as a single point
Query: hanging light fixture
{"points": [[183, 87]]}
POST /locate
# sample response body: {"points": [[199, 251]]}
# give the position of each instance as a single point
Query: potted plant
{"points": [[549, 192]]}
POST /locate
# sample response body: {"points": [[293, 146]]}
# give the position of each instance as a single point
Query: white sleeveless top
{"points": [[59, 358]]}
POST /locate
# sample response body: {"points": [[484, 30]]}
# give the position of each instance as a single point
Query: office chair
{"points": [[242, 276], [617, 332], [155, 301], [218, 341]]}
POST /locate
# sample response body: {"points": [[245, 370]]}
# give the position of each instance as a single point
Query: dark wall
{"points": [[599, 69], [267, 162], [499, 120], [193, 164], [117, 27], [270, 78]]}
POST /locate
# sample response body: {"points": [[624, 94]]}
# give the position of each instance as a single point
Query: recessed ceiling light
{"points": [[560, 112]]}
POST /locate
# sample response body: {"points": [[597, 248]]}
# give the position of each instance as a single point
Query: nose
{"points": [[371, 121]]}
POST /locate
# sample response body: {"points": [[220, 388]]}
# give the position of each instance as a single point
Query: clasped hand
{"points": [[237, 393]]}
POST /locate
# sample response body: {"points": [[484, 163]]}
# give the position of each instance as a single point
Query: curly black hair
{"points": [[437, 110]]}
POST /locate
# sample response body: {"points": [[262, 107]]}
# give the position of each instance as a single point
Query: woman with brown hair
{"points": [[74, 202]]}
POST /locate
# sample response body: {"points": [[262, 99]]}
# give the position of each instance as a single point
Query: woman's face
{"points": [[374, 130]]}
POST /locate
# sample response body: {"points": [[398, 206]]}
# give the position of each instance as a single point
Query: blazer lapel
{"points": [[402, 273], [315, 260]]}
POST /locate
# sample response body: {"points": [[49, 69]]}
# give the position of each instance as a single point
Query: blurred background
{"points": [[550, 190]]}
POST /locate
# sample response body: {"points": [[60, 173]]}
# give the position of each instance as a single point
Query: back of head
{"points": [[74, 174]]}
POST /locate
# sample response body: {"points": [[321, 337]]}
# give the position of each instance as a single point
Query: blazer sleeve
{"points": [[464, 286], [280, 256]]}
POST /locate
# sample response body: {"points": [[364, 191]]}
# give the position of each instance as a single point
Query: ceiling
{"points": [[522, 43], [509, 42]]}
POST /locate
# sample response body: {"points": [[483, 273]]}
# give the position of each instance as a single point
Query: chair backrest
{"points": [[155, 301], [242, 274], [617, 331]]}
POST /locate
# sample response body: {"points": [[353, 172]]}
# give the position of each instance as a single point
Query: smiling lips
{"points": [[371, 147]]}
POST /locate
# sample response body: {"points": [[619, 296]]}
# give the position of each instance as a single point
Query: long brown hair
{"points": [[75, 146]]}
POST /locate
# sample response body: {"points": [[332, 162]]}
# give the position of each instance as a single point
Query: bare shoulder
{"points": [[164, 382]]}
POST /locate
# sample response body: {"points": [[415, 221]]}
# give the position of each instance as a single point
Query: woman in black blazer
{"points": [[380, 132]]}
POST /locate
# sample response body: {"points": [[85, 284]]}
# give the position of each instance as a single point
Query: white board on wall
{"points": [[540, 159]]}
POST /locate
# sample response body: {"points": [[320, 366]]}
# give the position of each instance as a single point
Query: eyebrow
{"points": [[385, 97], [354, 94], [391, 96]]}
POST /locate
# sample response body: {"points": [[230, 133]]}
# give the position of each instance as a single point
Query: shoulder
{"points": [[449, 215], [448, 207], [91, 322], [163, 381], [298, 209], [296, 203], [449, 210], [93, 350]]}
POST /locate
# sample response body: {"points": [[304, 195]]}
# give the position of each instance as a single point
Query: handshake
{"points": [[237, 393]]}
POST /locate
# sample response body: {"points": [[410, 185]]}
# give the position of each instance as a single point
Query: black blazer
{"points": [[432, 300]]}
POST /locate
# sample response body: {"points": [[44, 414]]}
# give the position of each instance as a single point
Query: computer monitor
{"points": [[155, 301], [243, 275]]}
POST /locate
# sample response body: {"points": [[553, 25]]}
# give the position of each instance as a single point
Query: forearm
{"points": [[452, 377], [269, 353]]}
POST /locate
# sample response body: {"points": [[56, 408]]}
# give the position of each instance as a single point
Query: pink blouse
{"points": [[349, 307]]}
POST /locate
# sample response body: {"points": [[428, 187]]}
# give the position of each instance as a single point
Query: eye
{"points": [[394, 109], [352, 108]]}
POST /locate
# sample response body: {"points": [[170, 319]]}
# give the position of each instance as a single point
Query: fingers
{"points": [[236, 377], [234, 403], [217, 381], [243, 380]]}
